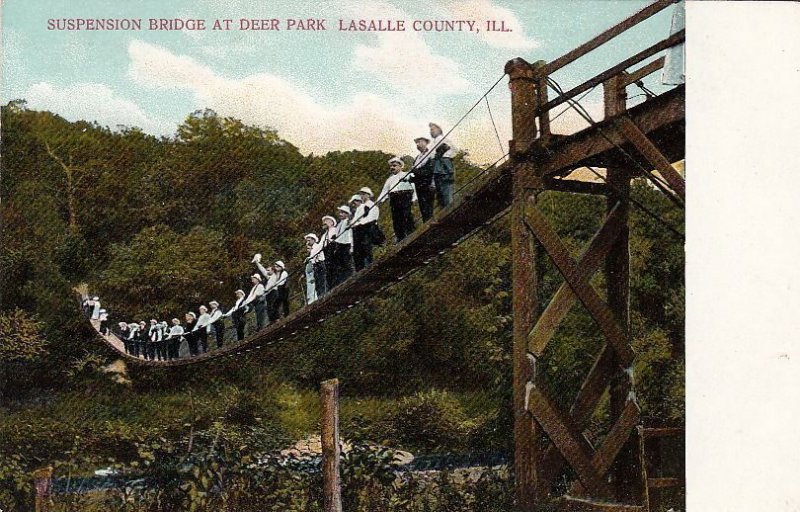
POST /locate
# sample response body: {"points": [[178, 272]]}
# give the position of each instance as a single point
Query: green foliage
{"points": [[432, 421], [160, 272], [22, 337], [256, 482]]}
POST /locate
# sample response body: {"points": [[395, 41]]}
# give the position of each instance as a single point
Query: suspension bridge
{"points": [[634, 142]]}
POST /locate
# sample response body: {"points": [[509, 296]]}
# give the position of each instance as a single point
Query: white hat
{"points": [[434, 124], [426, 139], [153, 321], [356, 197], [213, 304], [203, 307], [280, 264], [122, 323], [328, 217], [102, 311], [132, 325], [239, 291], [344, 208], [366, 190], [257, 276], [191, 314], [312, 236], [95, 298], [396, 160]]}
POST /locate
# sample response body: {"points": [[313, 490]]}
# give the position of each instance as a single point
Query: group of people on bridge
{"points": [[344, 247], [347, 243]]}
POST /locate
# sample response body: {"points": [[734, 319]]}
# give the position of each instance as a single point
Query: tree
{"points": [[162, 273], [21, 342]]}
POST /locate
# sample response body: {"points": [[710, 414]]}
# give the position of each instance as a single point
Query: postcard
{"points": [[362, 256]]}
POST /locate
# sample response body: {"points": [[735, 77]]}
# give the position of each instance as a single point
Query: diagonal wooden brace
{"points": [[620, 432], [653, 155], [602, 314], [585, 403], [616, 438], [564, 298], [570, 442]]}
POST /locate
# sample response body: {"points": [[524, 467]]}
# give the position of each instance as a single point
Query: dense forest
{"points": [[155, 226]]}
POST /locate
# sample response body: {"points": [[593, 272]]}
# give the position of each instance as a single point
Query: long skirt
{"points": [[311, 285]]}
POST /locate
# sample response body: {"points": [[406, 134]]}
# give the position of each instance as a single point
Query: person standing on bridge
{"points": [[237, 314], [203, 327], [190, 331], [217, 323], [319, 261], [282, 287], [95, 308], [342, 247], [443, 170], [311, 284], [174, 339], [87, 306], [257, 298], [365, 224], [269, 278], [422, 178], [103, 322], [328, 234], [401, 193], [142, 338], [153, 339], [133, 338], [161, 348], [123, 335]]}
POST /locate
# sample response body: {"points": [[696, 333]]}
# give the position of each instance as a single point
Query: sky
{"points": [[323, 91]]}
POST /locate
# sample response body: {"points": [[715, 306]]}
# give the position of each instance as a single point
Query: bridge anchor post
{"points": [[527, 433]]}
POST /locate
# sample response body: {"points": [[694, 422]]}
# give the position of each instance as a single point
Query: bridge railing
{"points": [[542, 72]]}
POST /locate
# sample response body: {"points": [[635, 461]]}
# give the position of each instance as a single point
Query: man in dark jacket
{"points": [[423, 178], [191, 337], [142, 338], [217, 322], [237, 314], [122, 334]]}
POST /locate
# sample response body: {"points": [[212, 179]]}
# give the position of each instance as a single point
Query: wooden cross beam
{"points": [[568, 438], [595, 383], [565, 298], [570, 270], [589, 464], [648, 150], [570, 446]]}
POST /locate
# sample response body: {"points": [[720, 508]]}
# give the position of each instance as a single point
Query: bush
{"points": [[431, 421]]}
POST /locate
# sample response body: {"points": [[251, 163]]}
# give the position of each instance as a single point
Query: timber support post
{"points": [[42, 484], [331, 480], [617, 275], [527, 435]]}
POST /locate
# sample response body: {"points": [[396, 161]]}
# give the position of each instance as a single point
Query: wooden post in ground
{"points": [[331, 481], [527, 433], [42, 483]]}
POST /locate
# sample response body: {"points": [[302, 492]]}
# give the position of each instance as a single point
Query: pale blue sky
{"points": [[336, 78]]}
